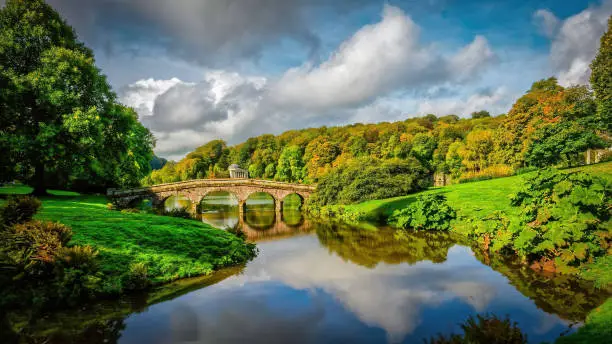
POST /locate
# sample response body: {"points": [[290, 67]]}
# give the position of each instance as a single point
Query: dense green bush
{"points": [[137, 278], [366, 179], [487, 329], [563, 220], [427, 212], [19, 209]]}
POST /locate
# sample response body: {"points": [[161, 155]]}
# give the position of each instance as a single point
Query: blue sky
{"points": [[231, 69]]}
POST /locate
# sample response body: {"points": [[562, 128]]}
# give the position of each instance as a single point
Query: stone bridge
{"points": [[195, 190]]}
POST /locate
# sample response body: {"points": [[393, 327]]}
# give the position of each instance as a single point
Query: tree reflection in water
{"points": [[370, 247]]}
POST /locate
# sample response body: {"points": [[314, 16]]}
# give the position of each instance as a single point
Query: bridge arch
{"points": [[293, 201], [208, 194]]}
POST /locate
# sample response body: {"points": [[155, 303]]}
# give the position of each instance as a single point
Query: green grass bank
{"points": [[471, 200], [170, 248]]}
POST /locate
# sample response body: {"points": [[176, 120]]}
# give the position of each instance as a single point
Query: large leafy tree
{"points": [[601, 79], [561, 142], [60, 120]]}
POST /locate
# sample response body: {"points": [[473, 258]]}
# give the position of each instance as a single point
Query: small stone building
{"points": [[236, 172]]}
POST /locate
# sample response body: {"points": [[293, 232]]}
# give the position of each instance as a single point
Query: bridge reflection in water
{"points": [[260, 220]]}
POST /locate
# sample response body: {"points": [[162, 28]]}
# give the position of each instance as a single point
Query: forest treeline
{"points": [[548, 125]]}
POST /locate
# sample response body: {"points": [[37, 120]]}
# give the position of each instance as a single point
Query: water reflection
{"points": [[334, 283], [371, 247], [260, 220], [177, 202]]}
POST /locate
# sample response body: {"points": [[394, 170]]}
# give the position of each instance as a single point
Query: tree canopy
{"points": [[61, 123]]}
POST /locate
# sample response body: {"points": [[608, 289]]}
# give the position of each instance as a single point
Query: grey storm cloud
{"points": [[184, 106], [207, 32]]}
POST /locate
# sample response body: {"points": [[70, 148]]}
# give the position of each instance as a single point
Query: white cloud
{"points": [[495, 102], [141, 95], [575, 44], [471, 60], [208, 32], [377, 59], [185, 115], [548, 22]]}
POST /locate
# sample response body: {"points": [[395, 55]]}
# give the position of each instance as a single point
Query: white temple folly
{"points": [[237, 172]]}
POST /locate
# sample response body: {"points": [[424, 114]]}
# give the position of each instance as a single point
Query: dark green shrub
{"points": [[524, 170], [427, 212], [32, 247], [137, 277], [484, 329], [237, 231], [366, 179], [473, 179], [19, 210], [39, 270], [82, 257]]}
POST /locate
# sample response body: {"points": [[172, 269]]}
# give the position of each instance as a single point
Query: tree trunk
{"points": [[40, 188]]}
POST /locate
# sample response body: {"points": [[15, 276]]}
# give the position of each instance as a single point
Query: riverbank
{"points": [[470, 200], [168, 248], [476, 200]]}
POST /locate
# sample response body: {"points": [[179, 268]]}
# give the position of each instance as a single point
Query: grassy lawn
{"points": [[170, 247], [476, 199]]}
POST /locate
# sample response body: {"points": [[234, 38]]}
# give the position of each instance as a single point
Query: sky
{"points": [[232, 69]]}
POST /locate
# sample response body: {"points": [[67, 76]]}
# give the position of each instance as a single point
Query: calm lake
{"points": [[329, 283]]}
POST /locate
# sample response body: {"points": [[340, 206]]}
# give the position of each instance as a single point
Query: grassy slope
{"points": [[597, 328], [474, 199], [171, 248]]}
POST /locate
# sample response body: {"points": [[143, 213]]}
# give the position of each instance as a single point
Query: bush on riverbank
{"points": [[428, 212], [134, 251], [366, 179], [37, 265], [563, 222]]}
